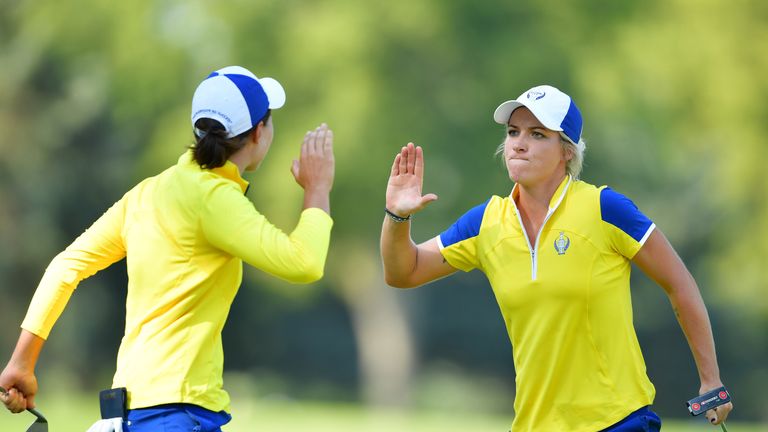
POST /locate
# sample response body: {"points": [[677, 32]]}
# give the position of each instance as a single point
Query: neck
{"points": [[244, 157], [240, 160], [537, 197]]}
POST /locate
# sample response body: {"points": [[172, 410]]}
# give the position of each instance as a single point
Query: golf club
{"points": [[708, 401], [40, 424]]}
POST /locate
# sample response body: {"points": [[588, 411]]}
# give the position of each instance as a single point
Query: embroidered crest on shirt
{"points": [[562, 243]]}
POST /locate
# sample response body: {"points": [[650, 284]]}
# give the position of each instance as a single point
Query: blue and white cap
{"points": [[553, 108], [236, 98]]}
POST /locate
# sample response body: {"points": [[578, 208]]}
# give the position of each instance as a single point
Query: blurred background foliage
{"points": [[95, 96]]}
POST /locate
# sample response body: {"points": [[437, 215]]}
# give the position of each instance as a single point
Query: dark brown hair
{"points": [[212, 148]]}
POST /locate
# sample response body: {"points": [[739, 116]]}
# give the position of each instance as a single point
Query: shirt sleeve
{"points": [[458, 243], [231, 223], [97, 248], [626, 226]]}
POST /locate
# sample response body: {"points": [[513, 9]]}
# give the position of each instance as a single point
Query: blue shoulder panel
{"points": [[621, 212], [467, 226]]}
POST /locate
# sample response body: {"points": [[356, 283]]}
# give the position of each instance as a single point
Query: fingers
{"points": [[318, 144], [18, 401], [305, 144], [4, 398], [712, 416], [428, 198], [328, 142], [395, 166], [315, 166], [310, 142], [418, 163], [411, 158], [14, 401], [403, 166], [719, 414], [320, 140]]}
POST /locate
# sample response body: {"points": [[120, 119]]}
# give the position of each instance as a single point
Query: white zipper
{"points": [[528, 242], [532, 250], [535, 248]]}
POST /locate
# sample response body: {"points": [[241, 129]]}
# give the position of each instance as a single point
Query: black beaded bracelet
{"points": [[395, 217]]}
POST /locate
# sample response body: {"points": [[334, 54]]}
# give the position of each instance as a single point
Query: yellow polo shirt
{"points": [[185, 233], [566, 303]]}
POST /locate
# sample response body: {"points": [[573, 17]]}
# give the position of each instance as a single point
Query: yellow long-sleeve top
{"points": [[185, 233]]}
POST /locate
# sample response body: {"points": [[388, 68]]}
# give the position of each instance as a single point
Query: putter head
{"points": [[40, 424]]}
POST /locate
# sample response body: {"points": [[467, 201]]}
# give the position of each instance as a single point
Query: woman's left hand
{"points": [[718, 414]]}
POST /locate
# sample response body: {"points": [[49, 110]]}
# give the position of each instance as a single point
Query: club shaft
{"points": [[36, 413]]}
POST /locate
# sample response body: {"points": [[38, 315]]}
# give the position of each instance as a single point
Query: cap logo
{"points": [[536, 94], [212, 111]]}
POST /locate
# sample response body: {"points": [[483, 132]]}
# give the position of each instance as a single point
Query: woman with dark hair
{"points": [[185, 234]]}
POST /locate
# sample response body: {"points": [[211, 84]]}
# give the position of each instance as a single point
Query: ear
{"points": [[568, 152], [257, 132]]}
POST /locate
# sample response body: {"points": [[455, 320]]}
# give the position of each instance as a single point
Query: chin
{"points": [[515, 176]]}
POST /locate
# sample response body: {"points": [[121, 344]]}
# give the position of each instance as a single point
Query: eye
{"points": [[537, 134], [512, 132]]}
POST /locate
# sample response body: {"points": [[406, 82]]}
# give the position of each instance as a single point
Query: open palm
{"points": [[405, 182]]}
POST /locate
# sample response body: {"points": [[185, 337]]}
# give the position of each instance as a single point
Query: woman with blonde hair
{"points": [[557, 252]]}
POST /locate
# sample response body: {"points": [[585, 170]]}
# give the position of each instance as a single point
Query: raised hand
{"points": [[315, 167], [314, 170], [405, 183]]}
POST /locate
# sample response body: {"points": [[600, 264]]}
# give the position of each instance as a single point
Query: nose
{"points": [[517, 144]]}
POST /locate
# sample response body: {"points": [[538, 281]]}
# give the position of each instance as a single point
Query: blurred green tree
{"points": [[95, 96]]}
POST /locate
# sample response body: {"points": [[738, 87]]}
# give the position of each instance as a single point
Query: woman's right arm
{"points": [[18, 377], [231, 223], [407, 265]]}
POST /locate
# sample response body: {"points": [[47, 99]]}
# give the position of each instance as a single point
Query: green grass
{"points": [[76, 412]]}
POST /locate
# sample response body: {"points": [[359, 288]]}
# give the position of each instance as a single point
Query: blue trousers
{"points": [[175, 418], [642, 420]]}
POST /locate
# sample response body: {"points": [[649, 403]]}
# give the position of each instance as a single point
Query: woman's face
{"points": [[533, 154], [265, 133]]}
